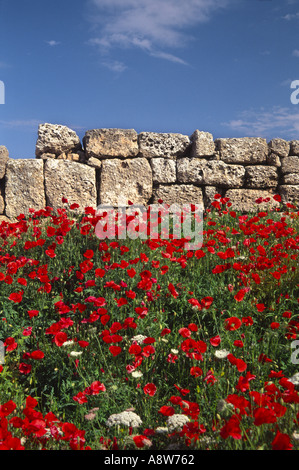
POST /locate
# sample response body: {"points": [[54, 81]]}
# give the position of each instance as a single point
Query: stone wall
{"points": [[113, 165]]}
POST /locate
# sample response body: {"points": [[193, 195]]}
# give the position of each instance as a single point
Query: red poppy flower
{"points": [[167, 410], [232, 323], [10, 344], [25, 368], [215, 341], [33, 313], [141, 441], [281, 442], [16, 296], [231, 428], [150, 389], [185, 332], [263, 415], [7, 408], [115, 350], [196, 371], [240, 295], [60, 338], [38, 355]]}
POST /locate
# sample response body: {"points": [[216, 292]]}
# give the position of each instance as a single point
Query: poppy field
{"points": [[125, 344]]}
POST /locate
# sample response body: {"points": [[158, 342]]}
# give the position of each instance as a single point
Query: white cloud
{"points": [[114, 65], [19, 123], [52, 43], [291, 16], [150, 25], [263, 123], [296, 53]]}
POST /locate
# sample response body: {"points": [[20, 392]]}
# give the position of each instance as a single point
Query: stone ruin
{"points": [[145, 168]]}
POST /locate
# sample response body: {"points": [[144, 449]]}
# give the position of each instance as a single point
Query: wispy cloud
{"points": [[20, 123], [114, 65], [295, 52], [266, 123], [52, 43], [157, 27], [291, 16]]}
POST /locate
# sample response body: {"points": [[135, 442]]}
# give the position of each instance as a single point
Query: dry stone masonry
{"points": [[119, 165]]}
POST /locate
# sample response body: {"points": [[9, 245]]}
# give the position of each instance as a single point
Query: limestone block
{"points": [[111, 143], [74, 181], [279, 146], [294, 147], [94, 162], [261, 176], [164, 170], [291, 178], [125, 180], [243, 200], [179, 194], [4, 156], [213, 173], [245, 150], [57, 139], [202, 144], [167, 145], [273, 160], [289, 193], [290, 164], [24, 186]]}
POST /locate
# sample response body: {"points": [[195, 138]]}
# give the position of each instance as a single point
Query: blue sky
{"points": [[220, 66]]}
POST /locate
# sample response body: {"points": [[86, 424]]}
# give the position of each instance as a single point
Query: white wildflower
{"points": [[137, 373], [68, 343], [125, 418], [138, 339], [174, 351], [75, 353], [161, 430], [176, 422], [221, 354]]}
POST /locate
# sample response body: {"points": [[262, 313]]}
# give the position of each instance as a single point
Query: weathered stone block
{"points": [[289, 193], [290, 164], [294, 147], [24, 186], [57, 139], [179, 194], [125, 180], [164, 170], [273, 160], [202, 144], [167, 145], [94, 162], [213, 173], [243, 200], [245, 150], [280, 147], [74, 181], [4, 156], [261, 176], [111, 143], [291, 178]]}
